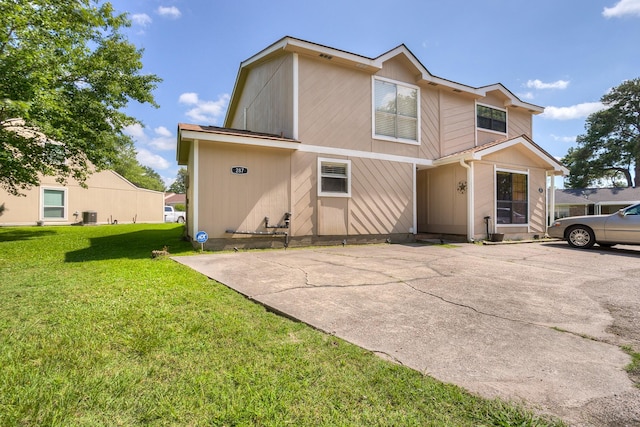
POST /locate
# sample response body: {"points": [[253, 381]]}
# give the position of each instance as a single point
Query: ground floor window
{"points": [[54, 203], [512, 198], [335, 177]]}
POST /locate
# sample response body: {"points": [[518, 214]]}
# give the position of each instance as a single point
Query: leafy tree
{"points": [[610, 149], [142, 176], [179, 186], [67, 72]]}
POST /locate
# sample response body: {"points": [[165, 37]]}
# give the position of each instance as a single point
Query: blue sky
{"points": [[559, 54]]}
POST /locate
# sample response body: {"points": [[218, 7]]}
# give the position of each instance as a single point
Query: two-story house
{"points": [[322, 145]]}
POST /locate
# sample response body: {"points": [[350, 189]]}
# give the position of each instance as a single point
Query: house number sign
{"points": [[239, 170]]}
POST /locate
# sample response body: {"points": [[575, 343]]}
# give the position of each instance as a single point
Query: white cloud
{"points": [[162, 131], [538, 84], [188, 98], [141, 19], [568, 139], [578, 111], [154, 161], [135, 131], [527, 95], [622, 8], [169, 11], [164, 139], [204, 112]]}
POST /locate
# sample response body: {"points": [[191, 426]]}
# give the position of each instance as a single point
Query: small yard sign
{"points": [[202, 237]]}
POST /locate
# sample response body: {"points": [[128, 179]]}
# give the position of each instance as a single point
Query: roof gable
{"points": [[481, 151], [370, 65]]}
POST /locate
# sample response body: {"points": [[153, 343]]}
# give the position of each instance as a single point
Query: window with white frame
{"points": [[491, 118], [512, 198], [54, 202], [335, 177], [396, 111]]}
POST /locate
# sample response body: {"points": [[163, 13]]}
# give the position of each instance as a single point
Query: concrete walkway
{"points": [[531, 322]]}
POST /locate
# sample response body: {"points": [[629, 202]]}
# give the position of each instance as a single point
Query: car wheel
{"points": [[180, 220], [580, 236]]}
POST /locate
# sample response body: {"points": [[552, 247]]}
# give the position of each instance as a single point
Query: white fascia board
{"points": [[331, 151], [512, 101], [296, 146]]}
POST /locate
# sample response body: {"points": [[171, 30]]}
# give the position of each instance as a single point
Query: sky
{"points": [[563, 55]]}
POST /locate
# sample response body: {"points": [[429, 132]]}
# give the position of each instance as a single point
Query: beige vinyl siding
{"points": [[267, 98], [241, 202], [108, 194], [335, 109], [458, 115], [484, 197], [382, 197], [430, 123], [304, 193], [399, 68], [519, 123], [441, 208], [334, 105]]}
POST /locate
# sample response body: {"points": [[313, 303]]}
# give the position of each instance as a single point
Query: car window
{"points": [[633, 210]]}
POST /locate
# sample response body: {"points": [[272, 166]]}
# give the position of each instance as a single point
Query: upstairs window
{"points": [[335, 177], [395, 111], [512, 198], [492, 119]]}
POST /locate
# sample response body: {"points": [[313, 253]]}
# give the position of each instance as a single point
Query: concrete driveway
{"points": [[539, 323]]}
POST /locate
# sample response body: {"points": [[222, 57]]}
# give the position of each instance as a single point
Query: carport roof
{"points": [[586, 196], [190, 132]]}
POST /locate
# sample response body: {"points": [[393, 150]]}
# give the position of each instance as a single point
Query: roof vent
{"points": [[325, 56]]}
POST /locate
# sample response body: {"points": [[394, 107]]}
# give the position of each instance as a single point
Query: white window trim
{"points": [[65, 207], [332, 194], [495, 198], [373, 112], [478, 128]]}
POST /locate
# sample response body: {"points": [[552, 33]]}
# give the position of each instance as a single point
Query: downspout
{"points": [[196, 189], [552, 200], [414, 228], [470, 207]]}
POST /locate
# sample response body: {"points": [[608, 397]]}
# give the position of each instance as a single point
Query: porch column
{"points": [[470, 207]]}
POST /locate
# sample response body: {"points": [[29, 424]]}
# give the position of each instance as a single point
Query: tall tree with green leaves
{"points": [[128, 166], [67, 72], [179, 186], [610, 149]]}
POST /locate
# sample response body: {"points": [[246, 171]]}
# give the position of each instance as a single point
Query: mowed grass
{"points": [[94, 332]]}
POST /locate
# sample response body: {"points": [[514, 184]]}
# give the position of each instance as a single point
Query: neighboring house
{"points": [[173, 199], [109, 199], [593, 201], [321, 145]]}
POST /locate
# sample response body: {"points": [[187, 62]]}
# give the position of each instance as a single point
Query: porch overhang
{"points": [[478, 153]]}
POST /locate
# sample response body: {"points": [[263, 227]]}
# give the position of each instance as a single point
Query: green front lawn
{"points": [[95, 332]]}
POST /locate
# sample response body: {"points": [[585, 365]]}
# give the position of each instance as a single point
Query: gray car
{"points": [[622, 227]]}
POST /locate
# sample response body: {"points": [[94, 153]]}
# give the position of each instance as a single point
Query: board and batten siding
{"points": [[241, 202], [267, 98]]}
